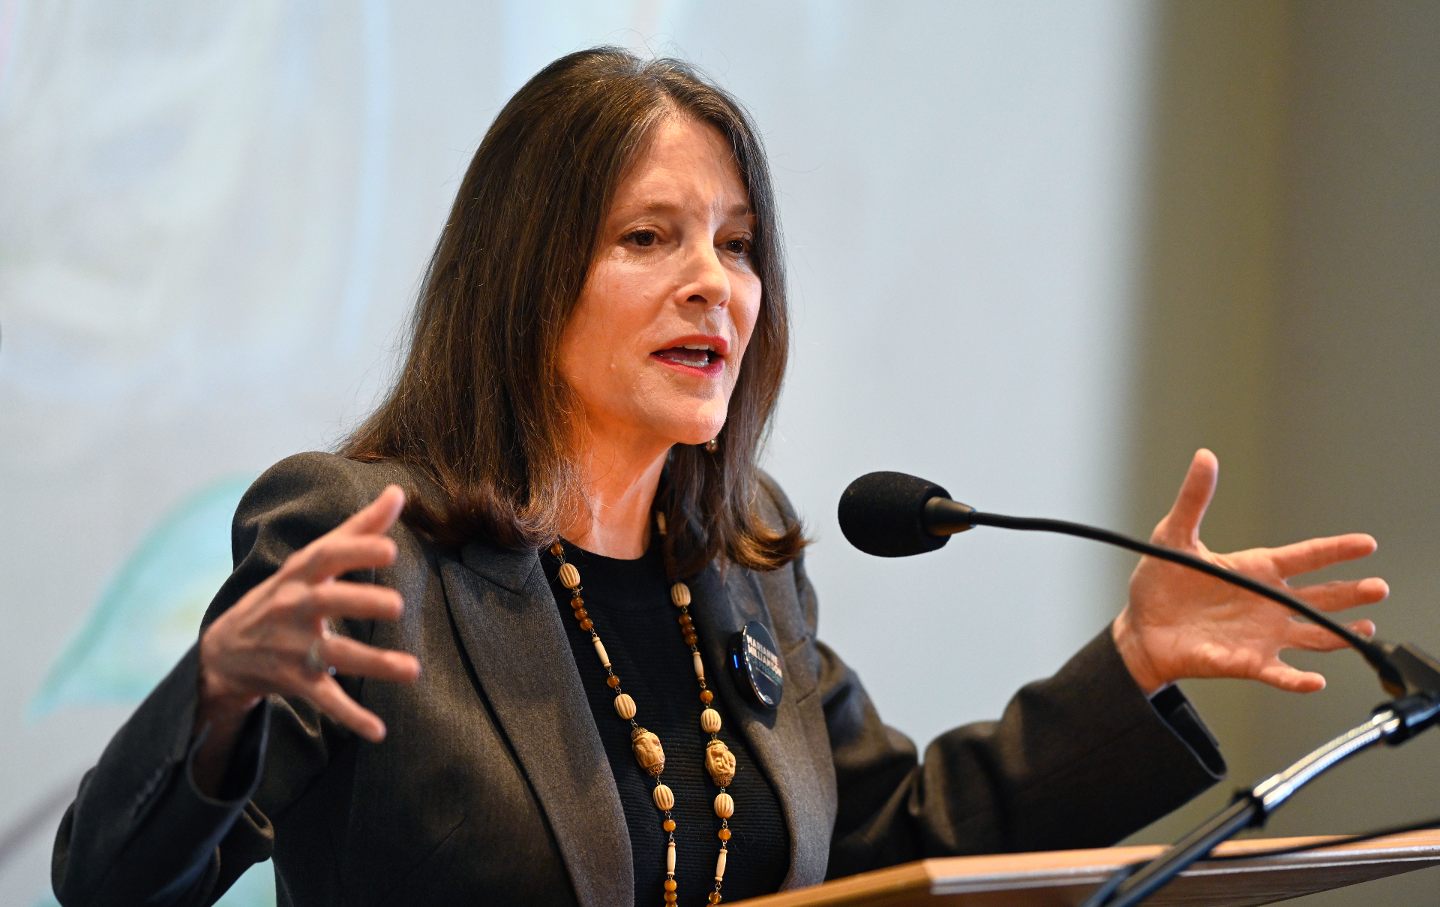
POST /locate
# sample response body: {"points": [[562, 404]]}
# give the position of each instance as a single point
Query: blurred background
{"points": [[1039, 253]]}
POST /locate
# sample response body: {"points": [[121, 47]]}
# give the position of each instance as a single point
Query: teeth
{"points": [[698, 346], [701, 361]]}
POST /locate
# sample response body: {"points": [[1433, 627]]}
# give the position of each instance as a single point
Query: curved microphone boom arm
{"points": [[891, 514]]}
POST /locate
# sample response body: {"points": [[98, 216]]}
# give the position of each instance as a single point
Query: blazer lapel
{"points": [[777, 738], [514, 638]]}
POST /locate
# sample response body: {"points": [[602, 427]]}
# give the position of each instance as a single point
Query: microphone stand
{"points": [[1409, 675], [1393, 724]]}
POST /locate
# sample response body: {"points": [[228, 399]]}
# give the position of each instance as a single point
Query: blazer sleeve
{"points": [[139, 830], [1080, 759]]}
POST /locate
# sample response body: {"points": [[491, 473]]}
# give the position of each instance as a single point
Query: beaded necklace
{"points": [[719, 761]]}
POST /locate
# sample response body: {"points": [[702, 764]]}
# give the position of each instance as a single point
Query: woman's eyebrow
{"points": [[664, 206]]}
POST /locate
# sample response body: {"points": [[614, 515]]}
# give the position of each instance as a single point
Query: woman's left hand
{"points": [[1181, 623]]}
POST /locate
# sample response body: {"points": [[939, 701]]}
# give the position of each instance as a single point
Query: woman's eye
{"points": [[642, 237], [737, 246]]}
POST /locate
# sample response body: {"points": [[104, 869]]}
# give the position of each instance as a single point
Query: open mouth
{"points": [[694, 355], [703, 356]]}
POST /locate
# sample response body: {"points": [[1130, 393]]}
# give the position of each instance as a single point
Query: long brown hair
{"points": [[479, 410]]}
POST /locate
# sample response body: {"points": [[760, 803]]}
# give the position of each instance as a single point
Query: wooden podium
{"points": [[1064, 878]]}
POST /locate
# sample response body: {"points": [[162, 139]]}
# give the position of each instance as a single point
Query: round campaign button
{"points": [[755, 659]]}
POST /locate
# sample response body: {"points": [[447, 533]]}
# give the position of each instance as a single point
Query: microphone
{"points": [[891, 514]]}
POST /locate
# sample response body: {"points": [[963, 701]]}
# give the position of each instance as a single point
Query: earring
{"points": [[712, 445]]}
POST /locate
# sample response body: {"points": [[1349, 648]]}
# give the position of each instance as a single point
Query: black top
{"points": [[629, 602]]}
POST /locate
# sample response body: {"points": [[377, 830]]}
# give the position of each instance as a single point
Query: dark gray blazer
{"points": [[493, 785]]}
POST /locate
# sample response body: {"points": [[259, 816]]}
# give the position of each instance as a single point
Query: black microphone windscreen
{"points": [[883, 514]]}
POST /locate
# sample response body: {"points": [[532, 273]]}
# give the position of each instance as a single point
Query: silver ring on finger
{"points": [[314, 664]]}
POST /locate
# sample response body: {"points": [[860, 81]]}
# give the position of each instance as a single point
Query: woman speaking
{"points": [[482, 653]]}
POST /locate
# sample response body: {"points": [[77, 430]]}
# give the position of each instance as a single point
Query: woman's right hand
{"points": [[275, 639]]}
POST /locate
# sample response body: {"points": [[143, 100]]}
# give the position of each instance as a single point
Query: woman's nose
{"points": [[707, 281]]}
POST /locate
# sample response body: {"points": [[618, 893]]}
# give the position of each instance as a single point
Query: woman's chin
{"points": [[701, 427], [700, 433], [696, 440]]}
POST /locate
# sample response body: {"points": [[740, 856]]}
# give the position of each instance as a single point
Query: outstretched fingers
{"points": [[1315, 638], [378, 516], [349, 657], [1181, 526], [356, 601], [1315, 554], [1341, 594], [359, 543], [1177, 625], [330, 556], [1291, 679], [275, 639], [1310, 637], [357, 659], [328, 696]]}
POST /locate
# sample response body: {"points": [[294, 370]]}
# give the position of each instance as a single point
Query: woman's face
{"points": [[654, 345]]}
